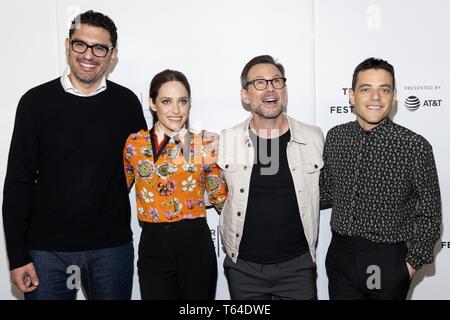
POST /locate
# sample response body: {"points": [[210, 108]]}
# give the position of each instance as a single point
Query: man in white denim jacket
{"points": [[271, 163]]}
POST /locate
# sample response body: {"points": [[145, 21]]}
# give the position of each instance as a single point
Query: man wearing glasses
{"points": [[271, 163], [66, 210]]}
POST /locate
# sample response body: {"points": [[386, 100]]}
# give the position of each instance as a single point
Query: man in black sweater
{"points": [[66, 210]]}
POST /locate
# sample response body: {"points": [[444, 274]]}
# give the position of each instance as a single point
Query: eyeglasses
{"points": [[261, 84], [98, 50]]}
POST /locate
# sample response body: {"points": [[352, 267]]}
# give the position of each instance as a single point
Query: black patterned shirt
{"points": [[382, 185]]}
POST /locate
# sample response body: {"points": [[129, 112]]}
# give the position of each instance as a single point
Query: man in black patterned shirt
{"points": [[380, 180]]}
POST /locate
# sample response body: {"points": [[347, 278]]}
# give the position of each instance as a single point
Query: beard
{"points": [[86, 79], [270, 114]]}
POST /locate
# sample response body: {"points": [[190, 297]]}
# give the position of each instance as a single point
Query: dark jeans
{"points": [[105, 274], [287, 280], [177, 260], [359, 269]]}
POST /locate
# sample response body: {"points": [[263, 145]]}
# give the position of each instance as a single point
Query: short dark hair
{"points": [[373, 63], [266, 59], [163, 77], [95, 19]]}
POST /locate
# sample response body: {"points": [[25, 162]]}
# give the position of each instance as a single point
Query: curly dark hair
{"points": [[373, 63], [95, 19]]}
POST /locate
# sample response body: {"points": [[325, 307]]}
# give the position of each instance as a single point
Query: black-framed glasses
{"points": [[261, 84], [98, 50]]}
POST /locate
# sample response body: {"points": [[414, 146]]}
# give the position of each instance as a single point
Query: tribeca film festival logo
{"points": [[427, 99], [339, 109]]}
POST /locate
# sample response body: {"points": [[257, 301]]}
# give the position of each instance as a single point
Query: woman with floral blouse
{"points": [[172, 169]]}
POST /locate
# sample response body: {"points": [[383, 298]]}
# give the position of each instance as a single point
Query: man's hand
{"points": [[410, 270], [211, 141], [25, 278]]}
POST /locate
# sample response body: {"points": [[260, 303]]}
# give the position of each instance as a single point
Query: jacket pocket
{"points": [[232, 178], [231, 174], [311, 173], [228, 167], [313, 166]]}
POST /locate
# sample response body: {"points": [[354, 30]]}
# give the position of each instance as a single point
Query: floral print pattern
{"points": [[189, 184], [172, 189]]}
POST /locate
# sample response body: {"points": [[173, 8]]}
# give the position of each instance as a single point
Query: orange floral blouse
{"points": [[172, 187]]}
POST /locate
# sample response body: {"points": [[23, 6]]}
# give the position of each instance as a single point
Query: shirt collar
{"points": [[161, 135], [69, 88], [296, 136], [384, 126]]}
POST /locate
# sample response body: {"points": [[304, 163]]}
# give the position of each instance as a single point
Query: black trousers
{"points": [[177, 260], [359, 269], [294, 279]]}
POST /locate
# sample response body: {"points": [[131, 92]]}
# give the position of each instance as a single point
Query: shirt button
{"points": [[232, 255], [239, 213], [242, 190], [316, 166], [226, 166], [245, 167], [249, 145], [237, 235]]}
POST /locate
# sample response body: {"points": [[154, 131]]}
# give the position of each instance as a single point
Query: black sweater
{"points": [[65, 188]]}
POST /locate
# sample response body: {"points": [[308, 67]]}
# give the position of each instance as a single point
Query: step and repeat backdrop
{"points": [[319, 43]]}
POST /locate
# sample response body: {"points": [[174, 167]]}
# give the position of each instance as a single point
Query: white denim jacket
{"points": [[235, 158]]}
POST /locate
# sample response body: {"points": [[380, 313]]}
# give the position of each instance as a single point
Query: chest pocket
{"points": [[234, 174], [228, 167], [229, 170], [307, 173], [314, 166], [311, 173], [309, 166]]}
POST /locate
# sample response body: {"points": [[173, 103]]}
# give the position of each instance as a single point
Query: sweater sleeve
{"points": [[139, 119], [20, 184]]}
